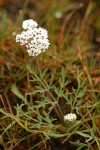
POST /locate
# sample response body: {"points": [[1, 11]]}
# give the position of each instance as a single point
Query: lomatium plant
{"points": [[40, 116]]}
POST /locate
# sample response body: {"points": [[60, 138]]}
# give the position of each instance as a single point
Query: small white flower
{"points": [[28, 24], [35, 39], [70, 117], [58, 15]]}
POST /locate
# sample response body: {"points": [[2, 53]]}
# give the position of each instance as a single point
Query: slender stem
{"points": [[37, 65]]}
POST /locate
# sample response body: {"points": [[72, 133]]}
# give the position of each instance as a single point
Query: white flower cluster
{"points": [[70, 117], [34, 38]]}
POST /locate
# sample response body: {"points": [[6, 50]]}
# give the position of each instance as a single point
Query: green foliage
{"points": [[37, 118]]}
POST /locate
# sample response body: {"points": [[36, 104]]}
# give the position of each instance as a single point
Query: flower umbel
{"points": [[34, 38], [70, 117]]}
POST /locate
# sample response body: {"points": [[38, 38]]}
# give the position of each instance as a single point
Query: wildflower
{"points": [[70, 117], [35, 39], [28, 24], [58, 15]]}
